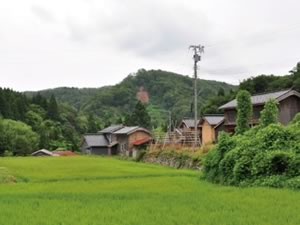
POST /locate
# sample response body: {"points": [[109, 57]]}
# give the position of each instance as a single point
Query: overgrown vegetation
{"points": [[244, 111], [266, 155]]}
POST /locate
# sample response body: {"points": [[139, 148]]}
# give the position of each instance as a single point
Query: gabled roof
{"points": [[111, 129], [130, 130], [190, 123], [213, 119], [96, 140], [44, 151], [263, 98]]}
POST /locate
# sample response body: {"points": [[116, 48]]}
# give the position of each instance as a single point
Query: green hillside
{"points": [[167, 91]]}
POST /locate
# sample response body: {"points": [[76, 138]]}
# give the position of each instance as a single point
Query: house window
{"points": [[231, 115], [256, 113]]}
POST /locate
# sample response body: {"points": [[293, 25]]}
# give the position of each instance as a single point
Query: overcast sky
{"points": [[92, 43]]}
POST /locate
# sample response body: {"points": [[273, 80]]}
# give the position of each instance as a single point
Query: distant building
{"points": [[188, 125], [43, 152], [116, 139], [211, 125], [288, 105]]}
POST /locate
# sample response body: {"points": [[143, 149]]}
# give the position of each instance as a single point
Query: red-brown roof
{"points": [[141, 141], [65, 153]]}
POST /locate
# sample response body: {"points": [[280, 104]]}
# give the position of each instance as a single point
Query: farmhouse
{"points": [[211, 125], [288, 105], [116, 139], [187, 125]]}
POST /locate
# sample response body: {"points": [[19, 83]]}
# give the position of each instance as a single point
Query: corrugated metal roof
{"points": [[45, 151], [126, 130], [96, 140], [257, 99], [190, 123], [214, 119], [111, 129]]}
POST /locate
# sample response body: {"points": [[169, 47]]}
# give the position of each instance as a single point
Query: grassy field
{"points": [[96, 190]]}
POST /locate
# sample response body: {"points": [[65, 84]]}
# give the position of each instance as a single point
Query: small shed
{"points": [[208, 124]]}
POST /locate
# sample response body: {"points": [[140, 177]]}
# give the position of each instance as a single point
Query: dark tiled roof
{"points": [[96, 140], [111, 129], [262, 98], [214, 119]]}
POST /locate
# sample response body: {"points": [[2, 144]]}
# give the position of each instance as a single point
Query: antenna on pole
{"points": [[198, 50]]}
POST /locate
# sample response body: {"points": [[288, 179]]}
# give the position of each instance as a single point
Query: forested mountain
{"points": [[257, 85], [165, 90], [58, 117], [76, 97]]}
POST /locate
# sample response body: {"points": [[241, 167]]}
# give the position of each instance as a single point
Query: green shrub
{"points": [[269, 115], [260, 165], [242, 169], [280, 162], [227, 166], [262, 156], [276, 181], [293, 183], [273, 137]]}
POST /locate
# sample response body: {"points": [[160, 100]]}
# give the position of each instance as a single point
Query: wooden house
{"points": [[288, 105], [211, 125], [129, 138], [187, 125], [97, 144], [116, 139]]}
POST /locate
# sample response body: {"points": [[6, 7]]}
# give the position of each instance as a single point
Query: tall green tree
{"points": [[139, 117], [92, 123], [53, 112], [269, 114], [244, 111]]}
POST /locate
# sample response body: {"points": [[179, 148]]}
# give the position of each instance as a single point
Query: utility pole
{"points": [[198, 50], [170, 122]]}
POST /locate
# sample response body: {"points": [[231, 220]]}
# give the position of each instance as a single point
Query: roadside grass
{"points": [[99, 190]]}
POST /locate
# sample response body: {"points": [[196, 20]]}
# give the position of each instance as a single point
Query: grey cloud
{"points": [[146, 29], [43, 13]]}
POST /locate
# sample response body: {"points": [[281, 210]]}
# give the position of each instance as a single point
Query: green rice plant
{"points": [[100, 190]]}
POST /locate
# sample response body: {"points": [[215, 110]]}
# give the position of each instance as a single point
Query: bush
{"points": [[262, 156], [273, 137], [293, 183], [280, 162]]}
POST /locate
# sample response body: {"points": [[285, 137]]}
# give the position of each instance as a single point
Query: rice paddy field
{"points": [[108, 191]]}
